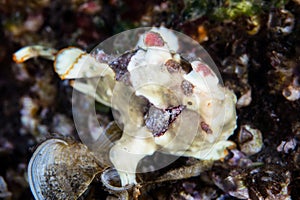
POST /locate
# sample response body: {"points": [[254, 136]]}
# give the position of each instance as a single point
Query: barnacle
{"points": [[250, 140], [164, 94]]}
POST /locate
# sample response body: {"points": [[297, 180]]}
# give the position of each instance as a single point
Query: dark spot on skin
{"points": [[172, 66], [187, 88], [205, 127], [184, 64], [158, 120], [119, 65]]}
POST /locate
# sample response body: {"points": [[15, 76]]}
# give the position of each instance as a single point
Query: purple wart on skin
{"points": [[158, 120], [119, 65]]}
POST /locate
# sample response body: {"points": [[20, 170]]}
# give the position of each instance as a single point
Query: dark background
{"points": [[228, 30]]}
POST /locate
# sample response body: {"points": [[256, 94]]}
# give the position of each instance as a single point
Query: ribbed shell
{"points": [[61, 170]]}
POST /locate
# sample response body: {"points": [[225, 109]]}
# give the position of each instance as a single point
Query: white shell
{"points": [[61, 170], [250, 140]]}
